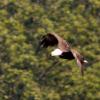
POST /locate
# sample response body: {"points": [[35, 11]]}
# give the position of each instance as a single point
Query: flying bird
{"points": [[63, 49]]}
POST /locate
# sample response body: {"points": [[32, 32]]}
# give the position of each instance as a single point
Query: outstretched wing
{"points": [[79, 60], [48, 40], [52, 39]]}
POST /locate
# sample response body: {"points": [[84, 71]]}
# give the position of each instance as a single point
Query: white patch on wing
{"points": [[56, 52]]}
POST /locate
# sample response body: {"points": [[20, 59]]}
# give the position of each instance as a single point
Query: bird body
{"points": [[63, 49], [67, 55]]}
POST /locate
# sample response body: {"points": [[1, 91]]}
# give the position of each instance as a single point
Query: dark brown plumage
{"points": [[64, 50]]}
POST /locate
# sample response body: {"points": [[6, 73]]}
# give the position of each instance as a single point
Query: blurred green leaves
{"points": [[27, 75]]}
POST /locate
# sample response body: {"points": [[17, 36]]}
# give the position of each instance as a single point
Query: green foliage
{"points": [[26, 75]]}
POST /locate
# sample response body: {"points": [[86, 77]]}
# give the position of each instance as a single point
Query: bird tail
{"points": [[80, 61]]}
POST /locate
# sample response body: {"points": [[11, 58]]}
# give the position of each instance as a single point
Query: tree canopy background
{"points": [[26, 75]]}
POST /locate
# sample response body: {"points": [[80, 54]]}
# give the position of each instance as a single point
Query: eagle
{"points": [[63, 49]]}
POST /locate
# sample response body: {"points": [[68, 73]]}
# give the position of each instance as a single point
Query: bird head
{"points": [[85, 61]]}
